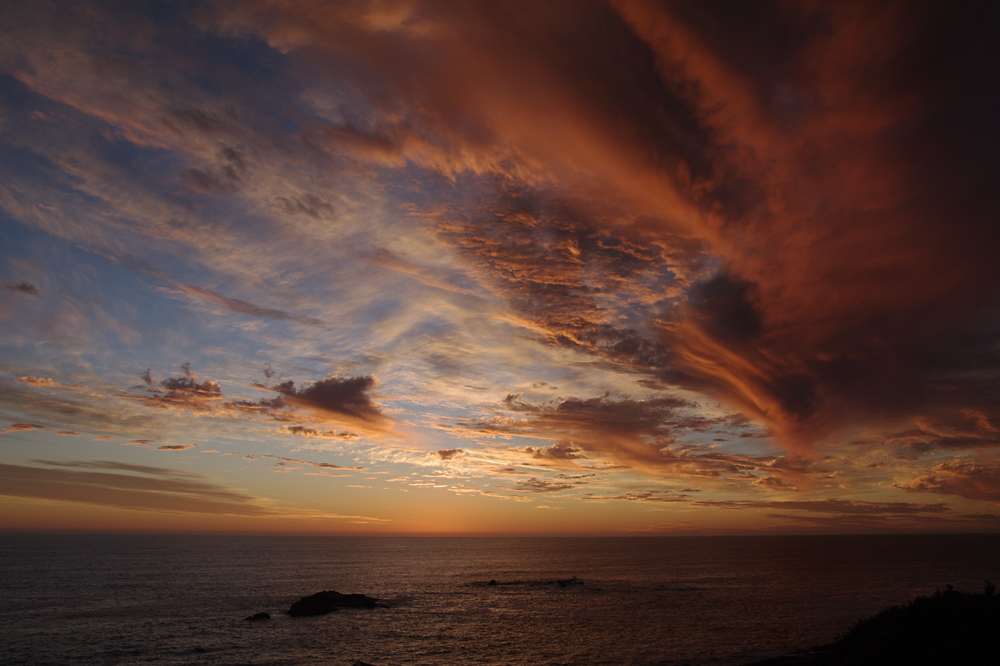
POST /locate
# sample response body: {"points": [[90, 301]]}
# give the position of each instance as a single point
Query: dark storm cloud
{"points": [[149, 489], [22, 287], [249, 309]]}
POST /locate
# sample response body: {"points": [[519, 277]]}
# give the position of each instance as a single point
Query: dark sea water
{"points": [[87, 599]]}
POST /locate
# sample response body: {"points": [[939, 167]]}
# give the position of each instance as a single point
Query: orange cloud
{"points": [[961, 477], [20, 427]]}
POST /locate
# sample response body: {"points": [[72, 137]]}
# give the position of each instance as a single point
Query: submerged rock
{"points": [[257, 616], [329, 601], [566, 582]]}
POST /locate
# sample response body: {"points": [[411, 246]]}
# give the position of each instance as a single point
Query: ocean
{"points": [[145, 599]]}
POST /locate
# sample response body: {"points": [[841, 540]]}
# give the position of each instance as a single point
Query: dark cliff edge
{"points": [[950, 628]]}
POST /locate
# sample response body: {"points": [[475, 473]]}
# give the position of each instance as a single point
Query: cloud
{"points": [[20, 427], [321, 465], [22, 287], [274, 408], [38, 381], [819, 315], [343, 399], [773, 483], [803, 204], [645, 496], [561, 451], [534, 485], [306, 431], [119, 466], [145, 489], [85, 411], [637, 433], [962, 477], [786, 208], [249, 309], [842, 515], [447, 454], [839, 507], [175, 447], [184, 392]]}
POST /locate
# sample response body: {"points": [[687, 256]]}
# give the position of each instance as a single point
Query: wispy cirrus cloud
{"points": [[244, 308]]}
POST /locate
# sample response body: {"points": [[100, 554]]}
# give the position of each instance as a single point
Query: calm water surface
{"points": [[87, 599]]}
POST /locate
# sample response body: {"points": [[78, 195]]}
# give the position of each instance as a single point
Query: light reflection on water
{"points": [[715, 600]]}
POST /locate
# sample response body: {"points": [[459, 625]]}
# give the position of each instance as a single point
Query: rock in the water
{"points": [[566, 582], [328, 601], [361, 663], [257, 616]]}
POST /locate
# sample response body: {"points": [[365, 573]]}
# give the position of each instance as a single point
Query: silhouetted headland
{"points": [[949, 628]]}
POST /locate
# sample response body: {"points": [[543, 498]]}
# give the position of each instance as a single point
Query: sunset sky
{"points": [[439, 267]]}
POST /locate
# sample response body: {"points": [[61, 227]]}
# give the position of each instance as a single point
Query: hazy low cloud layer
{"points": [[144, 489]]}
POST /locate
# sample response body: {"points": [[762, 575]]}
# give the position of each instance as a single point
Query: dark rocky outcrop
{"points": [[949, 628], [329, 601], [256, 617]]}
